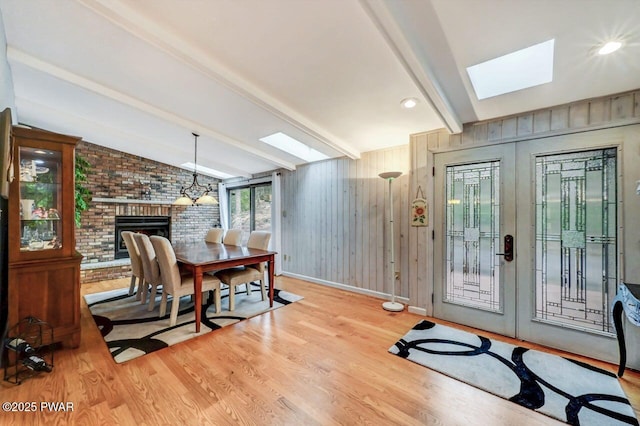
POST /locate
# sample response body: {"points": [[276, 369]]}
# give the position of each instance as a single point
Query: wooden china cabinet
{"points": [[44, 267]]}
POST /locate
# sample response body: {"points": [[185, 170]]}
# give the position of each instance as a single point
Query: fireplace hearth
{"points": [[150, 225]]}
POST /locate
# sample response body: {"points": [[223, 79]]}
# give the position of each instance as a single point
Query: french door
{"points": [[526, 240], [476, 210]]}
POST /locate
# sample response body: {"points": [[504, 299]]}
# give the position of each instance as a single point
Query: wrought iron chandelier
{"points": [[189, 195]]}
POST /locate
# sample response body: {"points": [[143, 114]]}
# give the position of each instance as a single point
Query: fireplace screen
{"points": [[150, 225]]}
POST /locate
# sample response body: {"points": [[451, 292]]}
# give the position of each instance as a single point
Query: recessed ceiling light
{"points": [[294, 147], [409, 103], [517, 70], [610, 47]]}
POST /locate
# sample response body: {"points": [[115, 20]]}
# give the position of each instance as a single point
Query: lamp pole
{"points": [[392, 306]]}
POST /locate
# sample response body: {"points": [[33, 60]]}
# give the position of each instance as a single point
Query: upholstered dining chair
{"points": [[175, 284], [214, 235], [137, 273], [150, 266], [233, 237], [234, 277]]}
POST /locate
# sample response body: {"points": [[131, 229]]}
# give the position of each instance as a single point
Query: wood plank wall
{"points": [[587, 115], [334, 211], [335, 221]]}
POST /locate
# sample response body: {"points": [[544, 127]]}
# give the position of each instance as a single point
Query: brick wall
{"points": [[120, 180]]}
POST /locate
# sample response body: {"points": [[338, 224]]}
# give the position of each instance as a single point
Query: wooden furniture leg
{"points": [[617, 321]]}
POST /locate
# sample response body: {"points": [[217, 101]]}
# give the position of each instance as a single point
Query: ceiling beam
{"points": [[145, 29], [31, 113], [64, 75], [417, 68]]}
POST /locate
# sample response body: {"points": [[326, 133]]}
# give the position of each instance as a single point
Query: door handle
{"points": [[508, 248]]}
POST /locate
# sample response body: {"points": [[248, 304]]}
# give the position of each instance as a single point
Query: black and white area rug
{"points": [[571, 391], [131, 331]]}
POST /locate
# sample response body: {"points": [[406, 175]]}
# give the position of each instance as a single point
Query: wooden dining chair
{"points": [[178, 285], [137, 272], [234, 277], [233, 237], [152, 276], [214, 235]]}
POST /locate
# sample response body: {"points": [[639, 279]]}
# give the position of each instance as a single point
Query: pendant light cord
{"points": [[195, 155]]}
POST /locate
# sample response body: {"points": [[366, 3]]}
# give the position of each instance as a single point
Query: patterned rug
{"points": [[131, 331], [571, 391]]}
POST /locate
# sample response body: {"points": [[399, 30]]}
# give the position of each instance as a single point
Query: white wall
{"points": [[7, 96]]}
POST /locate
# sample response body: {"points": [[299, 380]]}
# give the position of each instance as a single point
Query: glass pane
{"points": [[240, 210], [576, 263], [473, 236], [263, 208], [250, 209], [40, 204]]}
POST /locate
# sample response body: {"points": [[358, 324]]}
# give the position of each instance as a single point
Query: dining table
{"points": [[199, 257]]}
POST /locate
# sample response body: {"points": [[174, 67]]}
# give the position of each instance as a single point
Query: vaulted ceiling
{"points": [[141, 75]]}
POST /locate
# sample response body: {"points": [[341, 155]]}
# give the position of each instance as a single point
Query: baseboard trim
{"points": [[417, 310], [350, 288]]}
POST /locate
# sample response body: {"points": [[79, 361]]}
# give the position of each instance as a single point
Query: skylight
{"points": [[294, 147], [515, 71], [207, 171]]}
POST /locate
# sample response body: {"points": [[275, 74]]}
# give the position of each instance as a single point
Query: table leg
{"points": [[197, 296], [271, 281], [617, 321]]}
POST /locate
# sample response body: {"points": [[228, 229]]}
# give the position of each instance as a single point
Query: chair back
{"points": [[214, 235], [134, 254], [233, 237], [259, 240], [148, 257], [167, 262]]}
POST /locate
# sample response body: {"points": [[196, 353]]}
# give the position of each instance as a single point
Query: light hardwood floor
{"points": [[320, 361]]}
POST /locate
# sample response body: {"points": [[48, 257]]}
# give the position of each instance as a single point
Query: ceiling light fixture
{"points": [[409, 103], [609, 47], [188, 195]]}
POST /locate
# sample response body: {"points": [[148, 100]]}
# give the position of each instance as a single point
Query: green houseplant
{"points": [[82, 193]]}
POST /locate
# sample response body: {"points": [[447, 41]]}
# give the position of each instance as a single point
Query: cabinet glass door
{"points": [[40, 199]]}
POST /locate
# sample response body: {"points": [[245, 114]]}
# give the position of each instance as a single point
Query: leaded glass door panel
{"points": [[576, 263], [474, 284], [472, 271], [568, 245]]}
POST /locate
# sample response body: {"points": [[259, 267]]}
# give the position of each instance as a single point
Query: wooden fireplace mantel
{"points": [[129, 201]]}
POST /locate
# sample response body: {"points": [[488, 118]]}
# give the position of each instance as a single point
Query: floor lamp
{"points": [[393, 305]]}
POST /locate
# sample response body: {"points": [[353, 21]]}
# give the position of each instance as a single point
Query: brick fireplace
{"points": [[125, 185]]}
